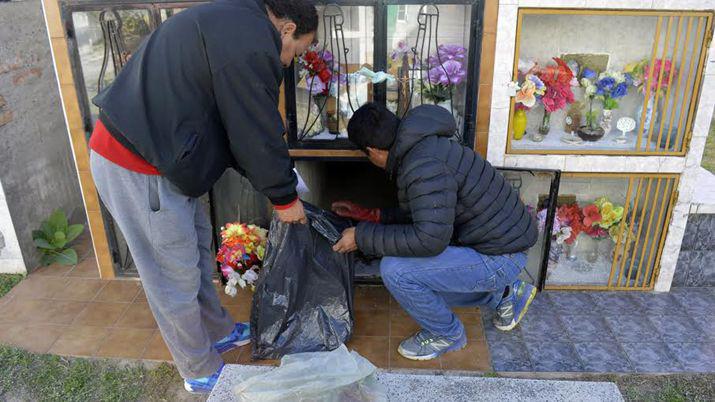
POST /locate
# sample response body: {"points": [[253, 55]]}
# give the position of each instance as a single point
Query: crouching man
{"points": [[459, 236]]}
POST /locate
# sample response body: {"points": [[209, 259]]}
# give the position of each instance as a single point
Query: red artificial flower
{"points": [[591, 215], [571, 215], [324, 75]]}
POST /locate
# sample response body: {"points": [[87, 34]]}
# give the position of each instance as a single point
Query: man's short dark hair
{"points": [[301, 12], [374, 126]]}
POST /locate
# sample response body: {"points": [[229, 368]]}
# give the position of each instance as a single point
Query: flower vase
{"points": [[519, 124], [652, 112], [606, 119], [592, 250], [570, 250], [543, 129]]}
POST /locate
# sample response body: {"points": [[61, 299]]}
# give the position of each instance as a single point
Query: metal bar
{"points": [[628, 235], [698, 75], [648, 234], [670, 86], [473, 73], [660, 82], [656, 266], [620, 230], [644, 210], [689, 28], [639, 138], [553, 198], [379, 91], [669, 187]]}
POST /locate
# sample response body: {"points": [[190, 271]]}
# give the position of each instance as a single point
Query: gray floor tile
{"points": [[587, 328], [543, 328], [677, 328], [541, 305], [509, 356], [603, 357], [706, 323], [697, 301], [651, 357], [554, 357], [572, 303], [634, 328], [616, 303], [659, 303], [699, 357]]}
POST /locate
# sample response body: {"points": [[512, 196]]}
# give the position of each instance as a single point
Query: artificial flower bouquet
{"points": [[316, 68], [640, 72], [601, 219], [240, 255], [447, 69]]}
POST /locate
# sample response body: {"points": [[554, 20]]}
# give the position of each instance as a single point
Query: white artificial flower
{"points": [[250, 276], [234, 275], [513, 87], [563, 235], [232, 282], [590, 90], [618, 76], [231, 290], [242, 283]]}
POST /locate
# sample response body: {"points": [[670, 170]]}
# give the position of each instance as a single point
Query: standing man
{"points": [[459, 236], [200, 95]]}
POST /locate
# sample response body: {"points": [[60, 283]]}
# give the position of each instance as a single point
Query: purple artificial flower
{"points": [[588, 73], [327, 56], [315, 85], [450, 72], [401, 50], [451, 52]]}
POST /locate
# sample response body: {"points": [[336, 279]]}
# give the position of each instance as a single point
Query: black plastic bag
{"points": [[304, 296]]}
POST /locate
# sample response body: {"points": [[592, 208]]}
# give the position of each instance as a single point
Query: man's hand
{"points": [[347, 243], [353, 211], [294, 214]]}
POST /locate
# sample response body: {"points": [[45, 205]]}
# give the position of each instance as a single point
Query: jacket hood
{"points": [[419, 123]]}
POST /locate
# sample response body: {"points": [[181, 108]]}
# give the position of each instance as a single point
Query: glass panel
{"points": [[345, 45], [428, 53], [615, 95], [533, 188], [600, 220], [169, 12], [91, 45]]}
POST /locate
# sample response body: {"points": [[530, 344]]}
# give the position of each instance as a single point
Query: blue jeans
{"points": [[426, 287]]}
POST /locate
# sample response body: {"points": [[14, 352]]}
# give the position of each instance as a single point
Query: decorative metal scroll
{"points": [[334, 42], [426, 42], [114, 45]]}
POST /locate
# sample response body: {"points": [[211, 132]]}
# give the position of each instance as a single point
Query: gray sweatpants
{"points": [[169, 237]]}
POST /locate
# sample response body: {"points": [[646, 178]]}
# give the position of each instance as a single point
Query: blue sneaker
{"points": [[513, 307], [425, 345], [241, 335], [203, 385]]}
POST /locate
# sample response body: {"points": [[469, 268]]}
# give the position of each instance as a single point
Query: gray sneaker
{"points": [[426, 346], [514, 306]]}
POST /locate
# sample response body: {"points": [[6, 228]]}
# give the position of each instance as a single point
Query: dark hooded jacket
{"points": [[200, 95], [448, 195]]}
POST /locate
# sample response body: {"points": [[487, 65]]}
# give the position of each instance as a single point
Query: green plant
{"points": [[54, 237]]}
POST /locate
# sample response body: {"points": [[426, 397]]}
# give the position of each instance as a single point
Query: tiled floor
{"points": [[611, 332], [70, 311]]}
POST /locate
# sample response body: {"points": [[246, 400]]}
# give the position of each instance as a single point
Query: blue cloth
{"points": [[426, 287]]}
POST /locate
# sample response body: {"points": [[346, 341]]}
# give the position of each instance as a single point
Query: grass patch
{"points": [[667, 388], [709, 154], [8, 281], [35, 377]]}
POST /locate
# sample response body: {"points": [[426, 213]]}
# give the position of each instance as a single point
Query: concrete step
{"points": [[446, 388]]}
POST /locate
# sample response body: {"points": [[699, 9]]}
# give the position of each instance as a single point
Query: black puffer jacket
{"points": [[200, 95], [448, 195]]}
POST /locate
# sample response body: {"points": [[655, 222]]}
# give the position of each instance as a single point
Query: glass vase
{"points": [[606, 121], [570, 250], [592, 250], [545, 123], [652, 112]]}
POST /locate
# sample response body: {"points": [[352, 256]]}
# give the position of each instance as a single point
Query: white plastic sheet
{"points": [[336, 376]]}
